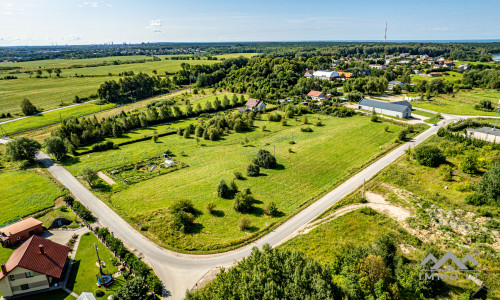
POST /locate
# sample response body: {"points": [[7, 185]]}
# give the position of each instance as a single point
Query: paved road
{"points": [[181, 271]]}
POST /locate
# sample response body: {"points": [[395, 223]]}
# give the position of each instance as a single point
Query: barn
{"points": [[401, 109]]}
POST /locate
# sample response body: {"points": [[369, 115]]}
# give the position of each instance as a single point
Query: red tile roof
{"points": [[314, 93], [20, 226], [28, 256]]}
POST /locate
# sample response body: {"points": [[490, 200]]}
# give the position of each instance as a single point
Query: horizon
{"points": [[82, 22]]}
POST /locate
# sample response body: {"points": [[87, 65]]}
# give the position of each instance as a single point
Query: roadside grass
{"points": [[84, 270], [317, 162], [424, 113], [53, 117], [47, 93], [357, 228], [24, 192], [462, 104]]}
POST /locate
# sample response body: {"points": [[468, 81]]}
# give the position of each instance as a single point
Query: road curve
{"points": [[178, 271]]}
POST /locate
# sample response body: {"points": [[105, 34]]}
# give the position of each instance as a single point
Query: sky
{"points": [[76, 22]]}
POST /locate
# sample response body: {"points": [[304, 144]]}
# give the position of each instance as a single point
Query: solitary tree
{"points": [[23, 149], [28, 108], [49, 71], [58, 72], [223, 190], [89, 176], [135, 288], [55, 146]]}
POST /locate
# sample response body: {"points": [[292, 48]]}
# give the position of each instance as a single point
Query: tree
{"points": [[28, 108], [429, 155], [372, 269], [55, 146], [402, 134], [374, 117], [58, 72], [271, 209], [134, 288], [154, 283], [253, 170], [223, 190], [89, 176], [266, 160], [109, 91], [243, 223], [23, 149], [243, 202], [210, 206], [49, 71], [490, 183]]}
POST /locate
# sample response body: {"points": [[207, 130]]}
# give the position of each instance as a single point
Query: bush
{"points": [[182, 221], [68, 199], [183, 205], [429, 155], [103, 146], [306, 129], [223, 190], [55, 146], [82, 211], [265, 159], [154, 283], [243, 202], [490, 183], [210, 206], [468, 164], [99, 293], [28, 108], [271, 209], [253, 170], [476, 199], [238, 175], [386, 128], [319, 123], [402, 134], [243, 223]]}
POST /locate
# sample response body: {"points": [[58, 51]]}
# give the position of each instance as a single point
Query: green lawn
{"points": [[60, 212], [83, 272], [319, 161], [53, 117], [46, 93]]}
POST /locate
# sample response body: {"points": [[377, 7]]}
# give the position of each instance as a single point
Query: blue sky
{"points": [[46, 22]]}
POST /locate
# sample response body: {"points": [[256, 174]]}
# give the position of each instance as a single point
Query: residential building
{"points": [[35, 265], [255, 104], [463, 67], [485, 134], [344, 75], [378, 67], [435, 74], [399, 110], [20, 231], [309, 73], [417, 71], [393, 83], [317, 95]]}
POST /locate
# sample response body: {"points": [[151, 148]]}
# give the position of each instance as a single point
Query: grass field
{"points": [[53, 117], [462, 104], [316, 163], [60, 212], [83, 272], [46, 93], [24, 192]]}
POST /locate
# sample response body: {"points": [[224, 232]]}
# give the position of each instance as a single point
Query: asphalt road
{"points": [[179, 272]]}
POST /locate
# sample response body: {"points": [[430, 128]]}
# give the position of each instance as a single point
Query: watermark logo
{"points": [[437, 272]]}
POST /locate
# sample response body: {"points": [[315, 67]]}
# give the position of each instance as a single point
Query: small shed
{"points": [[20, 231], [169, 163]]}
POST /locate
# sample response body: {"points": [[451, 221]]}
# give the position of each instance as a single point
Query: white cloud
{"points": [[154, 26], [94, 4], [9, 9]]}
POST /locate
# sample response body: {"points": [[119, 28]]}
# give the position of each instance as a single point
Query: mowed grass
{"points": [[357, 228], [53, 117], [47, 93], [316, 163], [84, 270], [24, 193]]}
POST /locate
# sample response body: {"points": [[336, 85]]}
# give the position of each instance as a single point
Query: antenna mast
{"points": [[385, 35]]}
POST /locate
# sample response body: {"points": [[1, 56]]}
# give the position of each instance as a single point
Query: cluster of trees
{"points": [[85, 131], [367, 85], [23, 149], [79, 208], [483, 79], [363, 272]]}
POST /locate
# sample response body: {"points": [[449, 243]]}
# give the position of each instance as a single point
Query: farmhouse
{"points": [[20, 231], [325, 75], [485, 134], [401, 109], [378, 67], [255, 104], [317, 95], [35, 265]]}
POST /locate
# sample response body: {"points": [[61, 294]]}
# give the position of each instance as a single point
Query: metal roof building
{"points": [[396, 109]]}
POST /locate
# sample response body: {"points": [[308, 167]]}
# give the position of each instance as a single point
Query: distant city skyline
{"points": [[79, 22]]}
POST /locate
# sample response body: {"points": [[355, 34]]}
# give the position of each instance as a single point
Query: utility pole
{"points": [[98, 259]]}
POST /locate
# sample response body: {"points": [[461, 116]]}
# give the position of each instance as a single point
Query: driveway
{"points": [[62, 236]]}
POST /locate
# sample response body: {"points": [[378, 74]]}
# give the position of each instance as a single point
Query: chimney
{"points": [[40, 247], [4, 269]]}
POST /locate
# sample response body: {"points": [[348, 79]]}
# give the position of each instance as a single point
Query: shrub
{"points": [[306, 129], [82, 211], [154, 283], [305, 120], [271, 209], [182, 221], [319, 123], [183, 205], [468, 164], [243, 202], [265, 159], [386, 128], [238, 175], [283, 122], [103, 146], [243, 223], [99, 293], [263, 128], [402, 134], [28, 108], [210, 206], [253, 170], [429, 155], [476, 199], [490, 183], [223, 190], [68, 199]]}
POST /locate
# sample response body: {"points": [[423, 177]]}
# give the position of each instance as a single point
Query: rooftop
{"points": [[487, 130], [314, 93], [383, 105], [20, 226]]}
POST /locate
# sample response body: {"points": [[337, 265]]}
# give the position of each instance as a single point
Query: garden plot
{"points": [[145, 169]]}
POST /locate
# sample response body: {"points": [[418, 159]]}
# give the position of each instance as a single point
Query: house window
{"points": [[25, 287], [18, 238], [12, 277], [29, 274]]}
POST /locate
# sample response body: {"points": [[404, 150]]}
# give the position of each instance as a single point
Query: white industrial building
{"points": [[325, 75], [485, 134], [400, 109]]}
